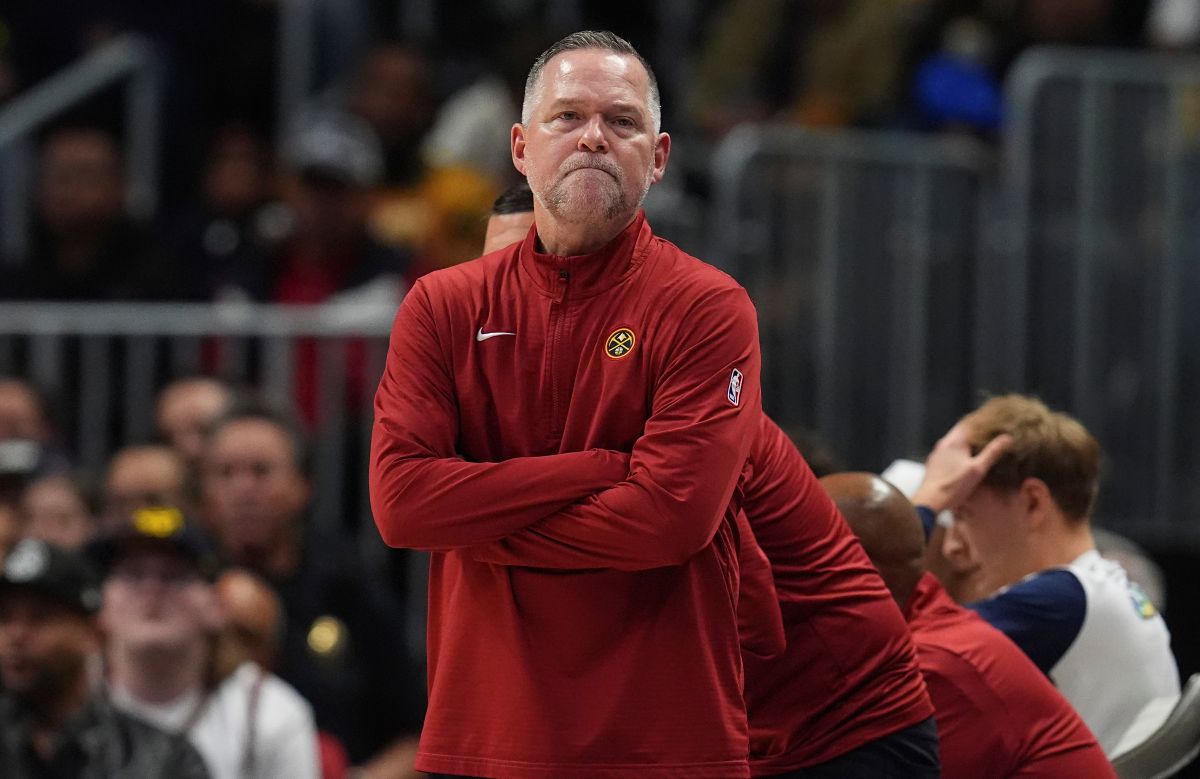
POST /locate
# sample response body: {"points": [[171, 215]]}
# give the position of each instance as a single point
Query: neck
{"points": [[1058, 541], [1061, 542], [159, 674], [566, 239]]}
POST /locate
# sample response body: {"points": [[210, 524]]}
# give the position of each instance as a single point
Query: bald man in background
{"points": [[990, 699]]}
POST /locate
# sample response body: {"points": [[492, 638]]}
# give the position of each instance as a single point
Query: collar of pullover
{"points": [[584, 275]]}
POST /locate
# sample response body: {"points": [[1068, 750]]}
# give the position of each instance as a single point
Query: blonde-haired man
{"points": [[1021, 481]]}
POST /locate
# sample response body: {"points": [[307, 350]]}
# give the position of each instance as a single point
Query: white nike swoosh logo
{"points": [[482, 336]]}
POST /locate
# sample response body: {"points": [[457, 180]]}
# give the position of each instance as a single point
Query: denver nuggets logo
{"points": [[620, 343]]}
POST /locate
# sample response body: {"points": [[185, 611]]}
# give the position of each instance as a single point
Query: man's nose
{"points": [[592, 136]]}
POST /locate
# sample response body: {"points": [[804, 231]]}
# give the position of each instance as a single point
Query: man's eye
{"points": [[623, 121], [568, 115]]}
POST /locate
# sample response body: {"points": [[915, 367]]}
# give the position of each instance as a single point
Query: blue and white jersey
{"points": [[1096, 635]]}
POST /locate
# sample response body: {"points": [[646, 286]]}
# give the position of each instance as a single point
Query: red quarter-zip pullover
{"points": [[849, 674], [566, 435], [997, 714]]}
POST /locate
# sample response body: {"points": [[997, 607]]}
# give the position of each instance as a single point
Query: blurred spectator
{"points": [[457, 202], [393, 92], [816, 450], [22, 412], [1022, 482], [335, 160], [331, 256], [988, 697], [27, 437], [162, 617], [433, 200], [53, 720], [226, 240], [254, 627], [58, 509], [84, 246], [186, 408], [253, 618], [961, 51], [853, 63], [141, 476], [821, 63], [343, 646], [471, 126]]}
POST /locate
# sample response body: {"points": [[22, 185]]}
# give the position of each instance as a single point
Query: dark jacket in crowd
{"points": [[98, 743]]}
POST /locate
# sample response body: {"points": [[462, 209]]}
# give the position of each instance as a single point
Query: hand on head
{"points": [[952, 473]]}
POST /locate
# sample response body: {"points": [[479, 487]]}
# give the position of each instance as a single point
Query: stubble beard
{"points": [[571, 203]]}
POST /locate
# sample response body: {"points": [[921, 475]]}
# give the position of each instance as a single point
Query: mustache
{"points": [[592, 161]]}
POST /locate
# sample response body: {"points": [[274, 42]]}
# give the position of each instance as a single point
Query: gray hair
{"points": [[590, 39]]}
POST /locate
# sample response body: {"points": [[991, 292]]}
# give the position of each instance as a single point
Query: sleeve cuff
{"points": [[928, 520]]}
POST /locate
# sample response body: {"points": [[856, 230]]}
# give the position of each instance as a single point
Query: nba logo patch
{"points": [[734, 393]]}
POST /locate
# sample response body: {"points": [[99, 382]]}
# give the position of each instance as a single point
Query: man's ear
{"points": [[1035, 501], [662, 151], [517, 141]]}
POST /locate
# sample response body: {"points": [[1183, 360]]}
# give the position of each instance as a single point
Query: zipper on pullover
{"points": [[558, 313]]}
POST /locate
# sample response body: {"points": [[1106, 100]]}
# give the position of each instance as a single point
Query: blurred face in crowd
{"points": [[156, 600], [590, 150], [81, 185], [55, 511], [235, 179], [20, 412], [139, 477], [254, 490], [185, 411], [44, 645], [503, 229], [393, 94]]}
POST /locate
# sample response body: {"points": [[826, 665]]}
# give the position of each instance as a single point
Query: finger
{"points": [[995, 449]]}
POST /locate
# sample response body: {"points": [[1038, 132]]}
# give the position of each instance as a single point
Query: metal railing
{"points": [[1098, 261], [129, 58], [110, 360], [856, 248]]}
